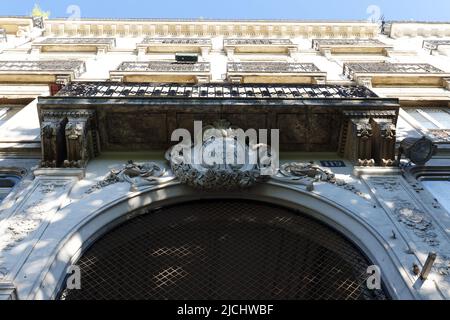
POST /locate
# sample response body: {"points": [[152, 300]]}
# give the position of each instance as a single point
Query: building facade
{"points": [[357, 118]]}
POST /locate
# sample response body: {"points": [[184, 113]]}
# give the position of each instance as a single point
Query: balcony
{"points": [[350, 46], [174, 45], [395, 74], [214, 91], [270, 46], [162, 71], [275, 72], [40, 71], [437, 45], [96, 45]]}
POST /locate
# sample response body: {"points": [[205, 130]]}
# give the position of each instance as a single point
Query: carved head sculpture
{"points": [[48, 131], [388, 131], [363, 130], [74, 130]]}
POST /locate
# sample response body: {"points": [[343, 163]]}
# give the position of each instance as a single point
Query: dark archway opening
{"points": [[223, 249]]}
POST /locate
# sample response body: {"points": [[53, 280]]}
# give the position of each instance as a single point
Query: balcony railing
{"points": [[163, 66], [77, 67], [228, 91], [272, 67], [78, 41], [237, 42], [435, 44], [177, 41], [317, 43], [386, 67]]}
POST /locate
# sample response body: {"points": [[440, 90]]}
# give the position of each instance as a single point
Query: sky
{"points": [[423, 10]]}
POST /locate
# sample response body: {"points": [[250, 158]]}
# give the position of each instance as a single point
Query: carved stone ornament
{"points": [[303, 173], [136, 174], [213, 163]]}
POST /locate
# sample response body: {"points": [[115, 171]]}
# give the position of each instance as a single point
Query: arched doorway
{"points": [[223, 249]]}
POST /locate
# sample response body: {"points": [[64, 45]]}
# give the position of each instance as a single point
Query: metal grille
{"points": [[227, 91], [223, 249]]}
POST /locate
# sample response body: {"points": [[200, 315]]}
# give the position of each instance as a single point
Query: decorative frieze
{"points": [[203, 28], [408, 214]]}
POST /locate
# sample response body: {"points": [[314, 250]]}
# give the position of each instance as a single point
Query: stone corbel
{"points": [[384, 137], [79, 139], [230, 52], [62, 79], [202, 79], [326, 53], [35, 50], [118, 78], [292, 50], [365, 81], [388, 52], [52, 140], [205, 51], [319, 80], [359, 142], [446, 82], [142, 51], [69, 138], [102, 50], [235, 79]]}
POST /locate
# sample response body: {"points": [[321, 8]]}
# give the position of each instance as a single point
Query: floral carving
{"points": [[136, 174]]}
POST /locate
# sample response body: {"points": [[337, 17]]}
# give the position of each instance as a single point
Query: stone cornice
{"points": [[417, 29], [198, 28]]}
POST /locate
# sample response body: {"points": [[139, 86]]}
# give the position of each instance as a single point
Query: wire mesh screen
{"points": [[223, 249]]}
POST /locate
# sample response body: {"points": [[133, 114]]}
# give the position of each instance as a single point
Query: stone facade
{"points": [[89, 139]]}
